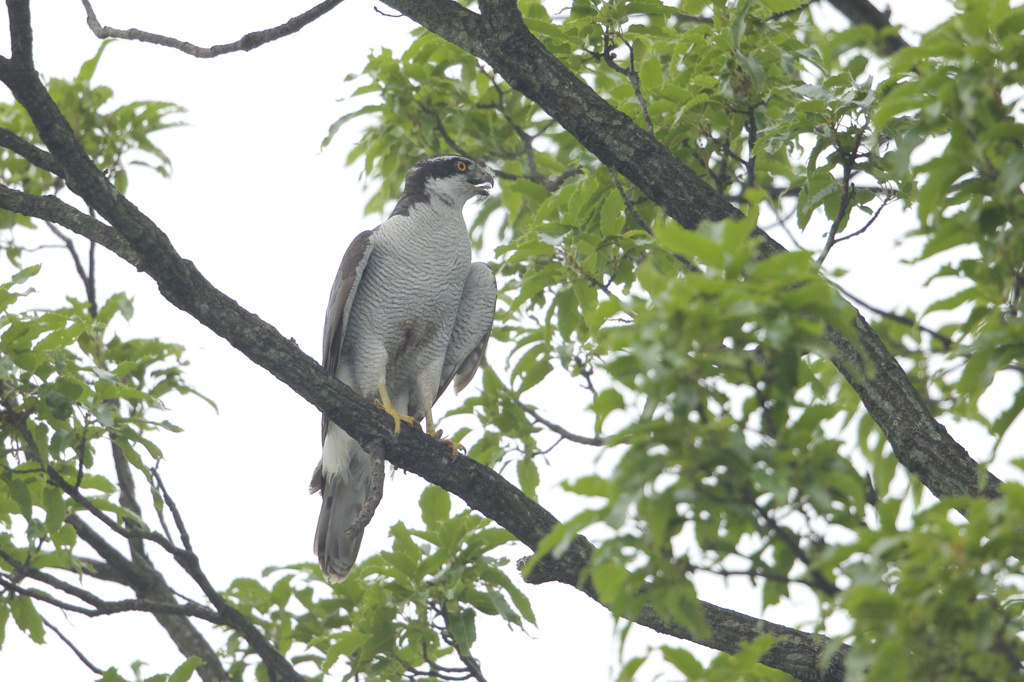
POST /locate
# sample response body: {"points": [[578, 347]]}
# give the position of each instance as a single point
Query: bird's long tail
{"points": [[345, 484]]}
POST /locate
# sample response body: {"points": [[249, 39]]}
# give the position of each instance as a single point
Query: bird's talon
{"points": [[397, 416], [456, 448]]}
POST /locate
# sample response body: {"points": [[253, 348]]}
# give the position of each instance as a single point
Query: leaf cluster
{"points": [[407, 613]]}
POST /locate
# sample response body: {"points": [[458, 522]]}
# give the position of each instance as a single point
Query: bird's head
{"points": [[451, 179]]}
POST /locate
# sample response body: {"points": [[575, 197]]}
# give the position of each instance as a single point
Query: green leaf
{"points": [[629, 669], [85, 74], [529, 477], [752, 67], [436, 505], [686, 243], [463, 628], [684, 661], [23, 276], [503, 608], [604, 403], [5, 610], [27, 618], [773, 593], [20, 494], [59, 404], [184, 671], [1003, 421], [611, 214], [53, 503], [650, 73]]}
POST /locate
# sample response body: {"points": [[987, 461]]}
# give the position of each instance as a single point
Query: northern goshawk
{"points": [[408, 313]]}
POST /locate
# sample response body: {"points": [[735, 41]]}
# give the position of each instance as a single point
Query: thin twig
{"points": [[568, 435], [185, 541], [946, 341], [551, 184], [631, 75], [71, 646], [786, 535], [629, 203], [159, 509], [848, 191], [631, 207], [541, 453], [100, 606], [87, 282], [751, 163], [249, 41], [874, 216], [106, 608]]}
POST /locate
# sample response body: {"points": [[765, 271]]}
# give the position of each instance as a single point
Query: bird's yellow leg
{"points": [[385, 404], [456, 448]]}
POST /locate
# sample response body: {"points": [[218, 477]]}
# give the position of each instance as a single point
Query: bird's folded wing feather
{"points": [[472, 328], [343, 293]]}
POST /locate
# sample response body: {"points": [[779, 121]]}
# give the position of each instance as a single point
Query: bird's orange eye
{"points": [[461, 165]]}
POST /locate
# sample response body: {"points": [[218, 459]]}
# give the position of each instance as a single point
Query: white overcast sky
{"points": [[266, 216]]}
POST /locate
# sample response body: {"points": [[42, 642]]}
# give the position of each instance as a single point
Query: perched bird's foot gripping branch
{"points": [[456, 448], [385, 404]]}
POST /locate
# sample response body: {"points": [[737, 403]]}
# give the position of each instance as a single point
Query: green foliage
{"points": [[940, 601], [72, 391], [70, 388], [404, 609], [112, 139], [112, 136], [964, 94]]}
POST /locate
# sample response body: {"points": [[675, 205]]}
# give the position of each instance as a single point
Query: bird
{"points": [[408, 314]]}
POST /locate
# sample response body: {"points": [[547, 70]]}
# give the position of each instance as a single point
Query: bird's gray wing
{"points": [[343, 293], [472, 328]]}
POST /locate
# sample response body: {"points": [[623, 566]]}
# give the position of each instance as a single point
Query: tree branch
{"points": [[52, 209], [33, 154], [249, 41], [73, 648], [21, 41], [99, 606], [568, 435]]}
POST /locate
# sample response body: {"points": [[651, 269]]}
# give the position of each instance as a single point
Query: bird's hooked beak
{"points": [[481, 181]]}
